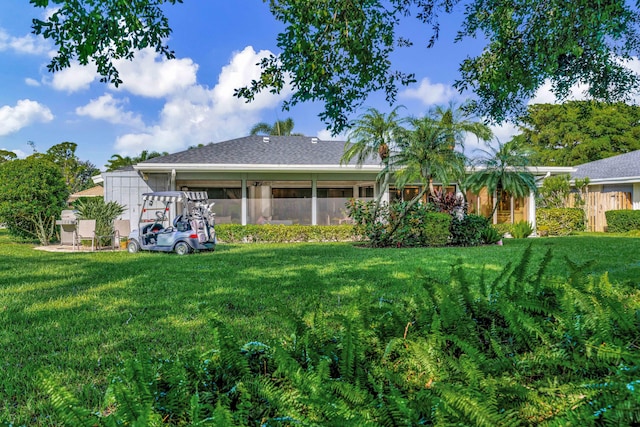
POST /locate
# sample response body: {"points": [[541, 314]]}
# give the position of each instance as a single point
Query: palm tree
{"points": [[503, 168], [373, 134], [458, 122], [279, 128], [117, 161], [425, 155]]}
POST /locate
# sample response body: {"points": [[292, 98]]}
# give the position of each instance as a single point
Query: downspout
{"points": [[314, 199], [243, 205]]}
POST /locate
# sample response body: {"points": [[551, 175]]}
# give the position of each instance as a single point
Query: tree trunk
{"points": [[406, 210]]}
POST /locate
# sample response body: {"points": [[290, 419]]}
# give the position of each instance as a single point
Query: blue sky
{"points": [[170, 105]]}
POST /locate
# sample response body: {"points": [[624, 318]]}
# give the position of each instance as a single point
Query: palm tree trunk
{"points": [[406, 210]]}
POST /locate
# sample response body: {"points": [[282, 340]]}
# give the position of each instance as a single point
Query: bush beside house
{"points": [[278, 233], [621, 221], [559, 221]]}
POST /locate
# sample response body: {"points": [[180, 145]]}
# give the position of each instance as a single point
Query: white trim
{"points": [[206, 167], [283, 168], [619, 180]]}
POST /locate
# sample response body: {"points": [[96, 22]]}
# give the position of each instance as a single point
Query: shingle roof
{"points": [[259, 150], [621, 166]]}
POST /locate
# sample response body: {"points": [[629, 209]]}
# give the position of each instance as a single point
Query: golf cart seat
{"points": [[180, 224], [152, 228]]}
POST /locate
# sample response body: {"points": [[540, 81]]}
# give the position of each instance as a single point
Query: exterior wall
{"points": [[636, 196], [127, 188]]}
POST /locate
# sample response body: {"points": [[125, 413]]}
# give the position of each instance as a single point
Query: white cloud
{"points": [[544, 95], [31, 82], [110, 109], [29, 44], [74, 78], [196, 114], [325, 135], [25, 112], [152, 76], [21, 154], [431, 93]]}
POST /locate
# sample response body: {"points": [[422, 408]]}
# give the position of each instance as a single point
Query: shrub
{"points": [[419, 226], [449, 202], [521, 230], [622, 221], [503, 228], [490, 235], [554, 191], [468, 230], [103, 213], [560, 221], [278, 233]]}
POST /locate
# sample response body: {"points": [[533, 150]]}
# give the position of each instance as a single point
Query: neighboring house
{"points": [[281, 179], [614, 183]]}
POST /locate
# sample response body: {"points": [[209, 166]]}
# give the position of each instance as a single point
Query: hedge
{"points": [[622, 221], [560, 221], [468, 231], [278, 233]]}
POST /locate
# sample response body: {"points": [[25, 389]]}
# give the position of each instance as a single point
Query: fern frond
{"points": [[66, 406]]}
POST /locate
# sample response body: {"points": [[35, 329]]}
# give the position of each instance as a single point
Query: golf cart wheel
{"points": [[133, 246], [182, 248]]}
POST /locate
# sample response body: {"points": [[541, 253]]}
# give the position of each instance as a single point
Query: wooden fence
{"points": [[598, 203]]}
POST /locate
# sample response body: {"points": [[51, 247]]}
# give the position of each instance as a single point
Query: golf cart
{"points": [[191, 229]]}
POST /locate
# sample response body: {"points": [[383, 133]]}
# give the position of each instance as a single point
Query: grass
{"points": [[77, 315]]}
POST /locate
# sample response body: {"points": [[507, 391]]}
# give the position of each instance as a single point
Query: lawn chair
{"points": [[86, 230], [122, 228]]}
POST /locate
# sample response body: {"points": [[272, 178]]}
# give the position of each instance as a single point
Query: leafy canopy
{"points": [[32, 195], [339, 52], [578, 132]]}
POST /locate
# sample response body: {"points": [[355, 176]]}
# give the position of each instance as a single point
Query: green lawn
{"points": [[76, 315]]}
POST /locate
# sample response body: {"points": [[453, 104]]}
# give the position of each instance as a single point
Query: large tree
{"points": [[77, 173], [32, 195], [6, 156], [578, 132], [339, 51]]}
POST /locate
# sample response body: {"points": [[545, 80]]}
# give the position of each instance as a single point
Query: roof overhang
{"points": [[535, 170], [208, 167], [617, 180]]}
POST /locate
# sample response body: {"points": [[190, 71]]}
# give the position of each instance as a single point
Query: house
{"points": [[282, 179], [614, 183]]}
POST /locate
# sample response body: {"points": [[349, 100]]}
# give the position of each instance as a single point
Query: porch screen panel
{"points": [[332, 205], [228, 202], [291, 206]]}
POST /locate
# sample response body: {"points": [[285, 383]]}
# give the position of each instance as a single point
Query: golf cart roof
{"points": [[176, 196]]}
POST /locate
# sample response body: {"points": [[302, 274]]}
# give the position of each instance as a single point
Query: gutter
{"points": [[207, 167], [619, 180]]}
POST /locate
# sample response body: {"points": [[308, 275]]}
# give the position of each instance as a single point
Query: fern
{"points": [[65, 405]]}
